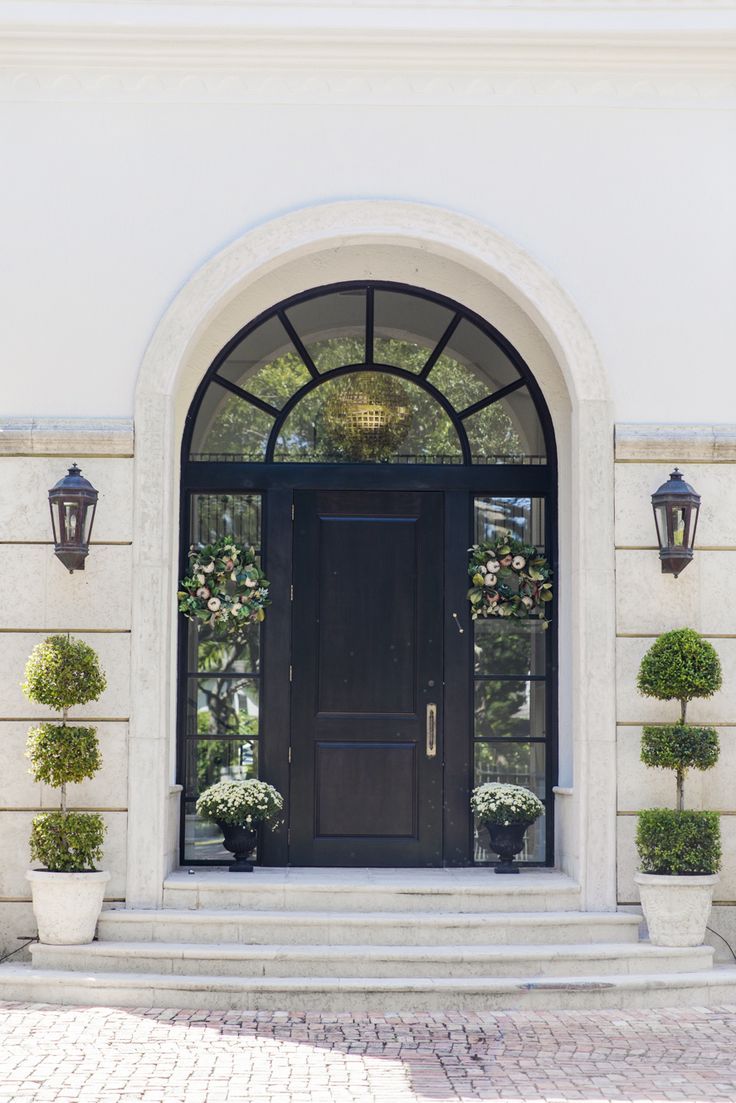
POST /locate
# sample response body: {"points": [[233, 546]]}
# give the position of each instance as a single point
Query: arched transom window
{"points": [[368, 373]]}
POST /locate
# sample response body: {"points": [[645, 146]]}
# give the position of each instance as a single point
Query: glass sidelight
{"points": [[223, 682], [510, 706]]}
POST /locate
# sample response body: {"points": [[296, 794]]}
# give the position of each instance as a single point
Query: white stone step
{"points": [[371, 928], [709, 987], [189, 959], [476, 889]]}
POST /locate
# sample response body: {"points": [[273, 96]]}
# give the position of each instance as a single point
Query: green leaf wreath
{"points": [[510, 579], [225, 586]]}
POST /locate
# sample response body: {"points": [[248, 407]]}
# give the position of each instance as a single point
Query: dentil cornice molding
{"points": [[411, 51]]}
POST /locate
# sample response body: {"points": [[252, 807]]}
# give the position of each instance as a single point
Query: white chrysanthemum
{"points": [[496, 802]]}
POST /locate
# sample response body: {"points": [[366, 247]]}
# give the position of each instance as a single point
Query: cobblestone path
{"points": [[54, 1054]]}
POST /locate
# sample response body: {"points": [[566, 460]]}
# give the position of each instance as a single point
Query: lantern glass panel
{"points": [[54, 526], [680, 517], [660, 517], [90, 509], [70, 526]]}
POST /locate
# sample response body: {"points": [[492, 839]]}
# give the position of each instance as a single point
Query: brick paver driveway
{"points": [[54, 1054]]}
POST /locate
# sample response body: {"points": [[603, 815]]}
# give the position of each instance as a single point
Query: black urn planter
{"points": [[239, 839], [507, 840]]}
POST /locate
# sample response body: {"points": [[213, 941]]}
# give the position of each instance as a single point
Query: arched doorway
{"points": [[361, 436]]}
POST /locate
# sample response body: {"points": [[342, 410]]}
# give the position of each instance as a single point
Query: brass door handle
{"points": [[431, 726]]}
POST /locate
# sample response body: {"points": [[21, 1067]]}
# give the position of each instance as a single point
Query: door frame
{"points": [[277, 483]]}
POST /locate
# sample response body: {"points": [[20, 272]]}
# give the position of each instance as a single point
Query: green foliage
{"points": [[675, 842], [61, 754], [680, 665], [679, 747], [62, 673], [67, 842]]}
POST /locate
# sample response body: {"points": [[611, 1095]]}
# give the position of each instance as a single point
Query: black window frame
{"points": [[462, 483]]}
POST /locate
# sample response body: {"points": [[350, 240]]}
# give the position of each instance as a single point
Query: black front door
{"points": [[367, 676]]}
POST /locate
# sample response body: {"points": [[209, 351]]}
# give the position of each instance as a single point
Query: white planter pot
{"points": [[676, 908], [67, 905]]}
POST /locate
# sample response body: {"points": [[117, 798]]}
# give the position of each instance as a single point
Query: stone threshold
{"points": [[472, 878], [473, 889]]}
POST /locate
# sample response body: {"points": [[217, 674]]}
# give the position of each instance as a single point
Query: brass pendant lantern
{"points": [[367, 417]]}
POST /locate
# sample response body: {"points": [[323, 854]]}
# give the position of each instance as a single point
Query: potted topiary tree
{"points": [[62, 674], [680, 850]]}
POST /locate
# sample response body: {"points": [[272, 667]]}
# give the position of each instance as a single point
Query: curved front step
{"points": [[372, 961], [372, 928], [22, 983]]}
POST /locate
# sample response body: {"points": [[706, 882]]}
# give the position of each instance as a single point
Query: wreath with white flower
{"points": [[510, 579], [225, 586]]}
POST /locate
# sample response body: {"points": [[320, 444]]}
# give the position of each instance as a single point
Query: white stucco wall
{"points": [[611, 162]]}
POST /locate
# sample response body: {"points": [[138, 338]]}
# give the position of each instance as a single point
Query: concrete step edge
{"points": [[449, 953], [238, 915], [723, 976], [365, 888]]}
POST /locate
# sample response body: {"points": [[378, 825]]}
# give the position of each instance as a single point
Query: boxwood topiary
{"points": [[679, 747], [67, 842], [62, 753], [675, 842], [680, 665], [62, 673]]}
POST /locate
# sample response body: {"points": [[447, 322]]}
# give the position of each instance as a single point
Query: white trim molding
{"points": [[39, 436], [603, 52], [460, 257], [676, 443], [288, 30]]}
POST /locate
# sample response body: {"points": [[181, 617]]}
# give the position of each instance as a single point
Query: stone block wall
{"points": [[40, 597], [647, 603]]}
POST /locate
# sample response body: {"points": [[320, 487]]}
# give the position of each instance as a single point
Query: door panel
{"points": [[380, 811], [367, 659], [370, 668]]}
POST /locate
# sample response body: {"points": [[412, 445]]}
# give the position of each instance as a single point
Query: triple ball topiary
{"points": [[679, 666], [62, 673]]}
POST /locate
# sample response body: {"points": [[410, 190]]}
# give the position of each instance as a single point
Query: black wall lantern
{"points": [[676, 507], [73, 503]]}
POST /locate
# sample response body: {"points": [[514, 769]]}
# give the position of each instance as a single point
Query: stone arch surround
{"points": [[468, 261]]}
